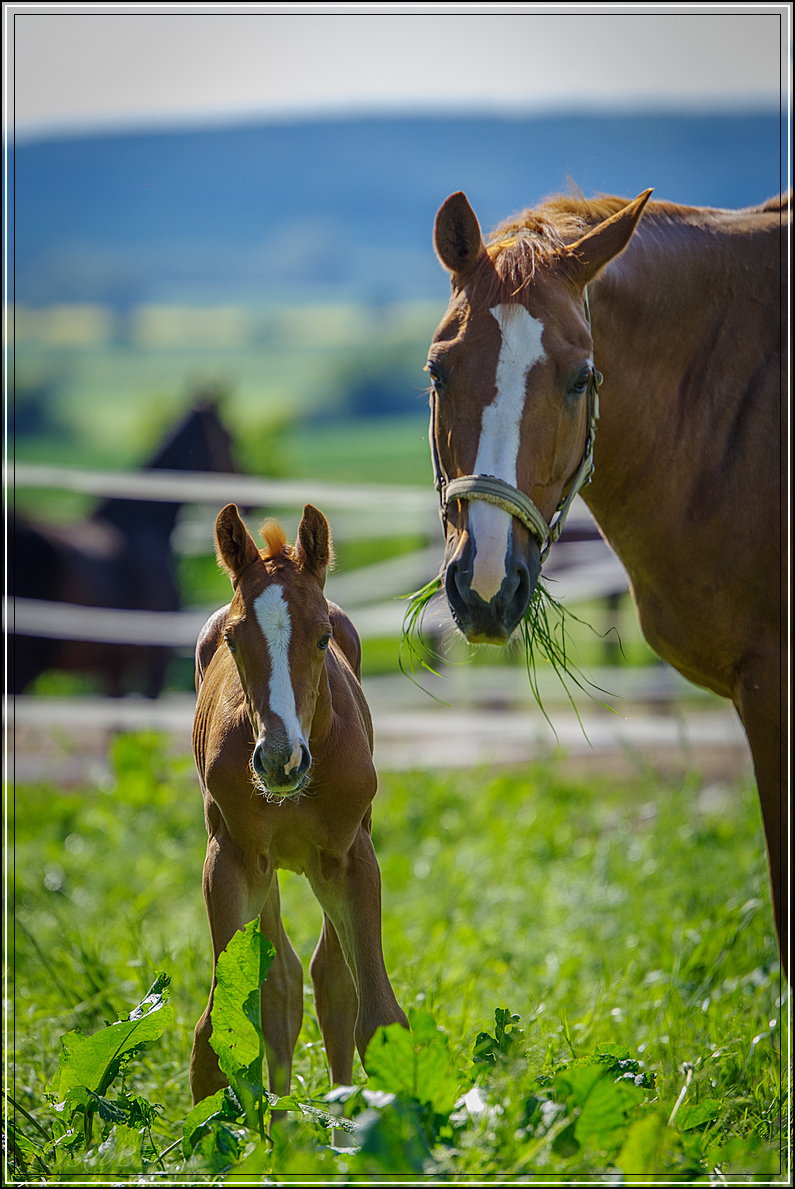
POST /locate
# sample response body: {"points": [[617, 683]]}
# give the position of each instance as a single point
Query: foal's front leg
{"points": [[234, 893], [281, 996]]}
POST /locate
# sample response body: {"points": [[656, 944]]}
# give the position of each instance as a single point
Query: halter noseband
{"points": [[510, 499]]}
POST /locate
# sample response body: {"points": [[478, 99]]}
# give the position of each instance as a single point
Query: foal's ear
{"points": [[313, 543], [586, 256], [456, 235], [234, 546]]}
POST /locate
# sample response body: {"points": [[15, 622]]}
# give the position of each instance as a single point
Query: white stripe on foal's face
{"points": [[273, 617], [498, 448]]}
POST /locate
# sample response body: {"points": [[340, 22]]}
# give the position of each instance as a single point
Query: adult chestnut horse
{"points": [[283, 743], [683, 312]]}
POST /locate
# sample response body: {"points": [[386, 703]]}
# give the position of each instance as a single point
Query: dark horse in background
{"points": [[683, 309], [120, 557]]}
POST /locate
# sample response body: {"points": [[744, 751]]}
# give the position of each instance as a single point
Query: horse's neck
{"points": [[680, 323]]}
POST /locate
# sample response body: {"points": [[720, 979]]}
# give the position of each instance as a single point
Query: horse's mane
{"points": [[534, 238]]}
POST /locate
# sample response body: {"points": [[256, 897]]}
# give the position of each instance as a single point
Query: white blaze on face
{"points": [[498, 448], [273, 617]]}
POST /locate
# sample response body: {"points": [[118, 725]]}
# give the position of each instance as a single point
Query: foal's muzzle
{"points": [[282, 769], [491, 622]]}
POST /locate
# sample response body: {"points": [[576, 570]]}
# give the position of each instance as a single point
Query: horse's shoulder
{"points": [[346, 637], [209, 638]]}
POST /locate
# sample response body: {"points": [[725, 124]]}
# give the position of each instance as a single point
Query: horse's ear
{"points": [[313, 543], [456, 235], [586, 256], [234, 546]]}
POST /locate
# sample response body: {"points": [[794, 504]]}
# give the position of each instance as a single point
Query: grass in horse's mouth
{"points": [[542, 633]]}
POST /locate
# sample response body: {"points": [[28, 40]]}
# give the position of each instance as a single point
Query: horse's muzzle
{"points": [[491, 622], [283, 770]]}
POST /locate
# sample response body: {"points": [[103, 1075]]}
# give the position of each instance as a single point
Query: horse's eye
{"points": [[323, 643], [435, 375], [582, 381]]}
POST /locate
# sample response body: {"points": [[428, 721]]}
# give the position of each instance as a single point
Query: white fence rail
{"points": [[577, 571]]}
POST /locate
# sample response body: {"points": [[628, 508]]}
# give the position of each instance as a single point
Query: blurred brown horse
{"points": [[683, 310], [277, 674], [120, 557]]}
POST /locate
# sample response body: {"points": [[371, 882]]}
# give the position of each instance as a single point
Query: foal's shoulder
{"points": [[209, 639], [346, 637]]}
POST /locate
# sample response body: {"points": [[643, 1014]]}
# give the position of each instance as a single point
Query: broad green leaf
{"points": [[605, 1111], [240, 972], [574, 1083], [218, 1106], [619, 1052], [418, 1066], [648, 1148], [81, 1099], [94, 1061], [689, 1117]]}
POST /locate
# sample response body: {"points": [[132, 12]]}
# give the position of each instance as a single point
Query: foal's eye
{"points": [[322, 643]]}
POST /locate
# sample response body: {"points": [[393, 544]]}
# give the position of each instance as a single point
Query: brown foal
{"points": [[283, 745]]}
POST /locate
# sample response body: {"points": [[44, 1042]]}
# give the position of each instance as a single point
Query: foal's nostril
{"points": [[302, 767], [258, 760]]}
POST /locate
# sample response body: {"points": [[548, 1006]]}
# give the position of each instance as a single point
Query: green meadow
{"points": [[589, 967]]}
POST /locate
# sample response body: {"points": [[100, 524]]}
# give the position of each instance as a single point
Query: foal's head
{"points": [[278, 631], [511, 364]]}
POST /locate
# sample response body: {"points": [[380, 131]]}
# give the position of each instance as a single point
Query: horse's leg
{"points": [[282, 997], [233, 897], [337, 1003], [349, 891], [759, 706]]}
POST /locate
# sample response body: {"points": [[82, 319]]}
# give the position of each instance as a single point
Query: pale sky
{"points": [[69, 66]]}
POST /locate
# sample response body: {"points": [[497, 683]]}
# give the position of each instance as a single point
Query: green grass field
{"points": [[601, 913]]}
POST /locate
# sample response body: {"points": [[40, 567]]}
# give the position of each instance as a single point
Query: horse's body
{"points": [[283, 746], [120, 557], [686, 324]]}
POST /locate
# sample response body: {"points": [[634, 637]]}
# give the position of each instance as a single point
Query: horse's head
{"points": [[278, 631], [200, 441], [513, 376]]}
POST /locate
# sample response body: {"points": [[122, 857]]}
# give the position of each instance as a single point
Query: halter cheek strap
{"points": [[511, 499]]}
